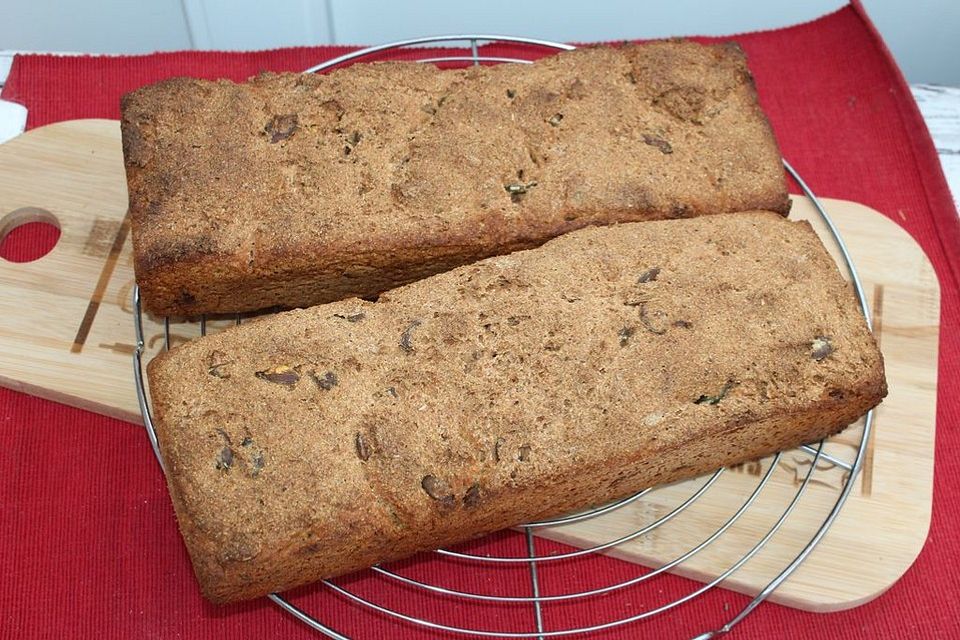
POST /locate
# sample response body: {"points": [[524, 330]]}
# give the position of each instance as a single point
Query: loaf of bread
{"points": [[320, 441], [292, 190]]}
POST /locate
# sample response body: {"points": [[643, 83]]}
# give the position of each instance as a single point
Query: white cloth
{"points": [[13, 119]]}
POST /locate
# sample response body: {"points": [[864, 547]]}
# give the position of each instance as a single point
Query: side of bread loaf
{"points": [[292, 190], [317, 442]]}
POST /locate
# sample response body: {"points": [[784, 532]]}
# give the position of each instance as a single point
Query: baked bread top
{"points": [[379, 174], [320, 441]]}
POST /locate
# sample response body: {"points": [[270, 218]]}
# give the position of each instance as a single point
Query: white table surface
{"points": [[939, 105]]}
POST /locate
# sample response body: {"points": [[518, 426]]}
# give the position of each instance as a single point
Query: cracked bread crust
{"points": [[318, 442], [292, 190]]}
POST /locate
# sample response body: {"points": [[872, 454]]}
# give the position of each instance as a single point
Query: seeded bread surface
{"points": [[292, 190], [317, 442]]}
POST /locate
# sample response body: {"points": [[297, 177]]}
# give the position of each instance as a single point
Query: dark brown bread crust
{"points": [[294, 190], [320, 441]]}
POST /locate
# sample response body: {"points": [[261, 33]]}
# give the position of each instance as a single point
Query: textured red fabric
{"points": [[88, 543], [29, 242]]}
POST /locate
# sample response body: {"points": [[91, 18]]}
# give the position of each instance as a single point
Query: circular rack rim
{"points": [[532, 559]]}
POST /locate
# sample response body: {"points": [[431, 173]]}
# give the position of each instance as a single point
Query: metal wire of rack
{"points": [[537, 600]]}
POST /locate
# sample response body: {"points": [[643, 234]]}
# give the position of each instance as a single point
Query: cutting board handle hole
{"points": [[28, 234]]}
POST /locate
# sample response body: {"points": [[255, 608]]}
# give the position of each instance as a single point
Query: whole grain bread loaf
{"points": [[317, 442], [292, 190]]}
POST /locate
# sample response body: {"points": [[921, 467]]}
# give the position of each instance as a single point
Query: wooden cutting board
{"points": [[66, 333]]}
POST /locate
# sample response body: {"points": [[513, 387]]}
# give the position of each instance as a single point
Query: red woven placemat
{"points": [[88, 542]]}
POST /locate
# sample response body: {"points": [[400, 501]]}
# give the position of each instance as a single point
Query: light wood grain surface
{"points": [[66, 333]]}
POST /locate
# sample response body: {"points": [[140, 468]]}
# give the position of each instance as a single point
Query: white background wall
{"points": [[924, 35]]}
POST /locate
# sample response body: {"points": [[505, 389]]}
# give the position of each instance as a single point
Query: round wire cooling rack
{"points": [[537, 600]]}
